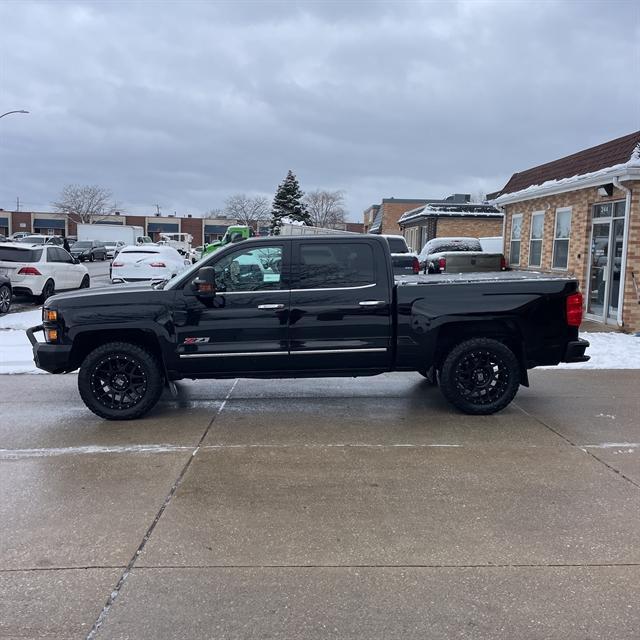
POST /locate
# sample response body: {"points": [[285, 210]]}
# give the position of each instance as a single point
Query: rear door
{"points": [[340, 306]]}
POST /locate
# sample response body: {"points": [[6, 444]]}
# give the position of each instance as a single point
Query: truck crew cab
{"points": [[299, 306]]}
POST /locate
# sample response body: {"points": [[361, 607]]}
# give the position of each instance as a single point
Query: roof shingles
{"points": [[608, 154]]}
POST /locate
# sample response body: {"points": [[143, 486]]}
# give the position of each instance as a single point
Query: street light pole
{"points": [[9, 112]]}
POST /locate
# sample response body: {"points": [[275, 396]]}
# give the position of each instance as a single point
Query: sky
{"points": [[183, 104]]}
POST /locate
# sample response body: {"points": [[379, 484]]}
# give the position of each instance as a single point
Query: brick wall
{"points": [[391, 212], [468, 227], [194, 227], [136, 221], [581, 202], [18, 218]]}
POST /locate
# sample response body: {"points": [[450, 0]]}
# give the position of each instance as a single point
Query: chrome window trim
{"points": [[233, 293]]}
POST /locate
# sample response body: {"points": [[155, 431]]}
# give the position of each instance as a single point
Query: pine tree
{"points": [[288, 204]]}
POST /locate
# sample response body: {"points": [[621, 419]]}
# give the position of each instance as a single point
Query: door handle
{"points": [[372, 303], [270, 306]]}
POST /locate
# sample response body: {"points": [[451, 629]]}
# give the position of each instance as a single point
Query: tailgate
{"points": [[466, 261], [402, 264]]}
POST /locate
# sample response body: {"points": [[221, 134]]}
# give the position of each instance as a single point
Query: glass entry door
{"points": [[607, 237]]}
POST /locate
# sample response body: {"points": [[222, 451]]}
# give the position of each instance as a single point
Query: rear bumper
{"points": [[54, 358], [575, 351]]}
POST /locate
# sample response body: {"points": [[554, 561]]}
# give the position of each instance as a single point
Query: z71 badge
{"points": [[195, 340]]}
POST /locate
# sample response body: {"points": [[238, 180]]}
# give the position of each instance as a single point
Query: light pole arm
{"points": [[9, 112]]}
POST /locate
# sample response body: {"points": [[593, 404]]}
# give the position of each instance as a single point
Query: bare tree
{"points": [[85, 203], [326, 208], [215, 213], [250, 210]]}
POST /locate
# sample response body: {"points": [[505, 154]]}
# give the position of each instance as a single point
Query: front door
{"points": [[607, 240], [245, 327]]}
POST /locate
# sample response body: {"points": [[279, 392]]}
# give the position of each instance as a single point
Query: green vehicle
{"points": [[234, 233]]}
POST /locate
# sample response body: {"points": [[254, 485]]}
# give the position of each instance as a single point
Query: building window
{"points": [[561, 239], [516, 233], [535, 239]]}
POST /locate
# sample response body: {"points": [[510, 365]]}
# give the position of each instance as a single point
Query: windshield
{"points": [[140, 252], [82, 244], [397, 245], [11, 254]]}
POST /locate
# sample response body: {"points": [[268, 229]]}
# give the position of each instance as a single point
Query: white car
{"points": [[113, 247], [41, 270], [146, 263]]}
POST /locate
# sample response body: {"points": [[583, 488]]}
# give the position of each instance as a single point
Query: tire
{"points": [[120, 381], [480, 376], [5, 299], [48, 290], [86, 282], [91, 257], [430, 375]]}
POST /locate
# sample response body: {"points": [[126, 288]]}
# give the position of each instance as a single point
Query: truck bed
{"points": [[478, 276]]}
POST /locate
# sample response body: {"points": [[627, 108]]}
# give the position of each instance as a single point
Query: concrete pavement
{"points": [[342, 508]]}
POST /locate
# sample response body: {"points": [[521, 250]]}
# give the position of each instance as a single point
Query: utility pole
{"points": [[17, 203], [157, 206]]}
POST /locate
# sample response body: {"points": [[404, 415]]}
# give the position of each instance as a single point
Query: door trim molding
{"points": [[234, 355]]}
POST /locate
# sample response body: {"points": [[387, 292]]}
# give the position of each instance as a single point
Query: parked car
{"points": [[6, 293], [113, 247], [324, 306], [41, 270], [14, 237], [458, 255], [147, 262], [89, 250], [3, 238], [404, 260], [40, 239]]}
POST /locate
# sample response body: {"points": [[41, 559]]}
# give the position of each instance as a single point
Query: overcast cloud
{"points": [[185, 103]]}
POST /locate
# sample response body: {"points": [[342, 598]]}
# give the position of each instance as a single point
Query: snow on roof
{"points": [[450, 210], [575, 171]]}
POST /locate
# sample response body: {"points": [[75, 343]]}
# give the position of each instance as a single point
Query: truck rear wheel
{"points": [[120, 381], [480, 376]]}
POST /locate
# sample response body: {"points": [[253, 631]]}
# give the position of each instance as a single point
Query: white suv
{"points": [[41, 270]]}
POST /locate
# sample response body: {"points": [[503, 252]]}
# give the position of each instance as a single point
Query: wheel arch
{"points": [[87, 341], [505, 331]]}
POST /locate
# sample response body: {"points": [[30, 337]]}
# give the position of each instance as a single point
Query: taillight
{"points": [[415, 265], [157, 264], [574, 309], [503, 264], [442, 264], [117, 264], [29, 271]]}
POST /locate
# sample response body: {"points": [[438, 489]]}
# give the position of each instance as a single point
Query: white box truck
{"points": [[113, 233]]}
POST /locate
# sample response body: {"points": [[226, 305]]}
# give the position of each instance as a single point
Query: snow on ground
{"points": [[607, 350]]}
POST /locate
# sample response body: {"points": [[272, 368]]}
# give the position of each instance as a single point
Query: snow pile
{"points": [[22, 320], [608, 351]]}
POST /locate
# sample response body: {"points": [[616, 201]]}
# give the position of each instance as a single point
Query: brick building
{"points": [[580, 215], [441, 220], [383, 217]]}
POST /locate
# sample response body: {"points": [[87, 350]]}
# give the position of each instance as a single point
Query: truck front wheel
{"points": [[120, 381], [480, 376]]}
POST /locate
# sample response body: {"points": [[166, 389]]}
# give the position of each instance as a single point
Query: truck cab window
{"points": [[335, 264], [256, 269]]}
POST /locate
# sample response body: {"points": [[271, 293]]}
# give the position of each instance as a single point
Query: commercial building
{"points": [[580, 215]]}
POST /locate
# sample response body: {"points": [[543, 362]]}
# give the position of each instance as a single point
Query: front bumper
{"points": [[54, 358], [575, 351]]}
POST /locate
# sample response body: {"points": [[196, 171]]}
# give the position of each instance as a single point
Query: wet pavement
{"points": [[340, 508]]}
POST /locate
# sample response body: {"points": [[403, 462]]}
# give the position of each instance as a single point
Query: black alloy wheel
{"points": [[48, 290], [480, 376], [5, 298], [91, 257], [120, 381]]}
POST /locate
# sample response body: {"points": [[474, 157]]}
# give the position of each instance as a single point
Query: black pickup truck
{"points": [[300, 306]]}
